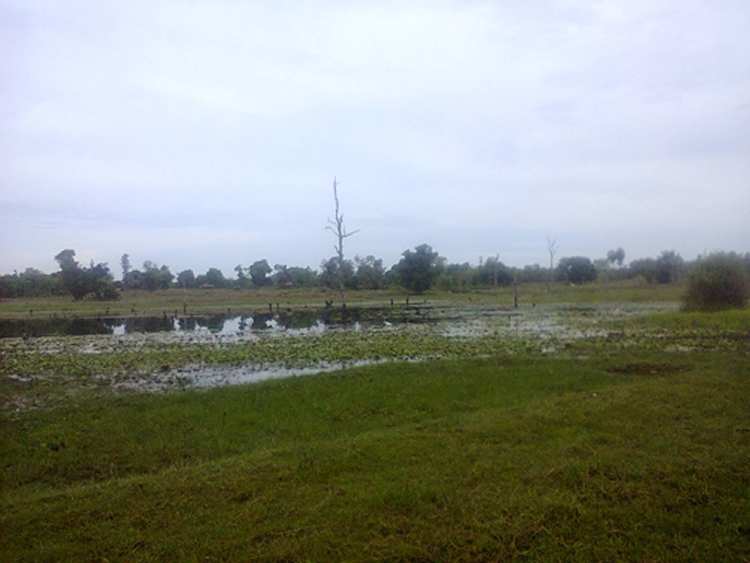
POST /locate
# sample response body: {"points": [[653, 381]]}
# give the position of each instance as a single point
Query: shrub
{"points": [[717, 281], [576, 269]]}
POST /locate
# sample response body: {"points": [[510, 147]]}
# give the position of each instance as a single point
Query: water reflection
{"points": [[317, 320]]}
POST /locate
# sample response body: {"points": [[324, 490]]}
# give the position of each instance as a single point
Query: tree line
{"points": [[418, 270]]}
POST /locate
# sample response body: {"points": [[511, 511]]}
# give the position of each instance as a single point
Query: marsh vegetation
{"points": [[457, 427]]}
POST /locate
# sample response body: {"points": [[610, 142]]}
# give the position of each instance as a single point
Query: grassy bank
{"points": [[628, 456], [201, 301]]}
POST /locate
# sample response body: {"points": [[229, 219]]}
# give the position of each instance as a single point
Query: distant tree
{"points": [[100, 283], [293, 276], [302, 277], [616, 256], [337, 227], [259, 271], [456, 277], [72, 274], [370, 272], [494, 272], [31, 283], [718, 281], [243, 280], [166, 277], [186, 279], [281, 276], [213, 277], [153, 277], [134, 280], [603, 267], [66, 259], [95, 280], [576, 269], [150, 277], [335, 274], [669, 267], [645, 268], [125, 265], [418, 270]]}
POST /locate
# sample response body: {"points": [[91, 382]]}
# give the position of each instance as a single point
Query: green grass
{"points": [[198, 301], [220, 300], [731, 319], [626, 456]]}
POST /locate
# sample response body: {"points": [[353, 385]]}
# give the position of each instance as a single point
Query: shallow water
{"points": [[544, 328], [207, 376], [217, 324]]}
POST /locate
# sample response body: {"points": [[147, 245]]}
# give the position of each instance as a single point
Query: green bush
{"points": [[718, 281]]}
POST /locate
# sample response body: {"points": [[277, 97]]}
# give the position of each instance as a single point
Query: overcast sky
{"points": [[208, 133]]}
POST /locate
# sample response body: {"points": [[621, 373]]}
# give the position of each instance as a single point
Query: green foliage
{"points": [[693, 325], [291, 277], [95, 280], [644, 268], [616, 256], [259, 271], [364, 273], [243, 280], [533, 273], [418, 269], [457, 277], [331, 272], [493, 273], [125, 265], [490, 273], [718, 281], [370, 272], [576, 269], [30, 283], [301, 277], [186, 279], [152, 278], [212, 278], [669, 267], [66, 259]]}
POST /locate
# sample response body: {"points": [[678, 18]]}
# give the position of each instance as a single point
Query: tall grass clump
{"points": [[718, 281]]}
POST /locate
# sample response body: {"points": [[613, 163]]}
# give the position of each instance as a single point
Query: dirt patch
{"points": [[648, 368]]}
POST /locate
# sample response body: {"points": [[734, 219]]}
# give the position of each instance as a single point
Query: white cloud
{"points": [[210, 131]]}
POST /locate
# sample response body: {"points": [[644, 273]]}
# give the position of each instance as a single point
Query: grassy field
{"points": [[220, 300], [632, 457], [631, 443]]}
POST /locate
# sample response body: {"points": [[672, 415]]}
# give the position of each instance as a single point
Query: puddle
{"points": [[207, 376]]}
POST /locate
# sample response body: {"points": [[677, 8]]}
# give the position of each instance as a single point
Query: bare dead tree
{"points": [[337, 227], [552, 250]]}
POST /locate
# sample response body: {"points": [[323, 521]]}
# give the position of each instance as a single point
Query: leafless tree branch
{"points": [[337, 227]]}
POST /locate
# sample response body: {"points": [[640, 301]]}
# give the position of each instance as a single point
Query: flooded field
{"points": [[42, 358], [226, 324], [44, 361]]}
